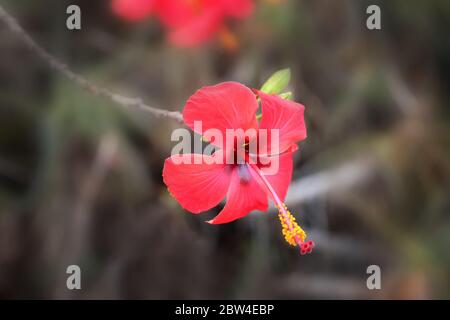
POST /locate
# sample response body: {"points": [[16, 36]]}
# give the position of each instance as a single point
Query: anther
{"points": [[292, 232]]}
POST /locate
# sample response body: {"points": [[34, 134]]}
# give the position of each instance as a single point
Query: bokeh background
{"points": [[80, 178]]}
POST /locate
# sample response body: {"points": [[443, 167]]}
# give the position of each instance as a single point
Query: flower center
{"points": [[292, 232], [244, 173]]}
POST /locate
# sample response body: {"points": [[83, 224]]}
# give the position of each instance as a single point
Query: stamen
{"points": [[292, 231]]}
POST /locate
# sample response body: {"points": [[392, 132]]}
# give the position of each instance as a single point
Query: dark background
{"points": [[80, 178]]}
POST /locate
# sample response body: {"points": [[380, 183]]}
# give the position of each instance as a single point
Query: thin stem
{"points": [[54, 63]]}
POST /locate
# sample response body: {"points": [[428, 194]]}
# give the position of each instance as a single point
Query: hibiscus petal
{"points": [[229, 105], [244, 196], [133, 10], [284, 115], [237, 8], [175, 13], [198, 29], [197, 187]]}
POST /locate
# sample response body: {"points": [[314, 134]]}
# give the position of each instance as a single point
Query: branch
{"points": [[54, 63]]}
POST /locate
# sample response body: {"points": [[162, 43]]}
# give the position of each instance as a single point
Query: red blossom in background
{"points": [[189, 22], [202, 184]]}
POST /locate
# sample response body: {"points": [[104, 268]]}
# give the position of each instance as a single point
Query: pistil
{"points": [[292, 232]]}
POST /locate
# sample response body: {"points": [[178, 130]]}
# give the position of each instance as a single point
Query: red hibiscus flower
{"points": [[200, 182], [189, 22]]}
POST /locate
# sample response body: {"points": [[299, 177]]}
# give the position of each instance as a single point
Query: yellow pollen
{"points": [[292, 232]]}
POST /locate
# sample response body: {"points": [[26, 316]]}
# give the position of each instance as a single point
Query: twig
{"points": [[54, 63]]}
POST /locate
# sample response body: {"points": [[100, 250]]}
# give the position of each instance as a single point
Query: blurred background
{"points": [[80, 178]]}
